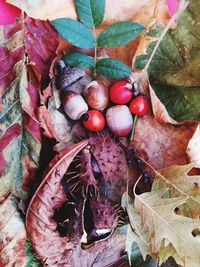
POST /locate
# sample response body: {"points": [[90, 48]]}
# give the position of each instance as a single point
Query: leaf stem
{"points": [[95, 54], [133, 129]]}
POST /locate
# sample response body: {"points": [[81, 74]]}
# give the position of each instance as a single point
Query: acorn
{"points": [[67, 76], [74, 105], [119, 120], [96, 95]]}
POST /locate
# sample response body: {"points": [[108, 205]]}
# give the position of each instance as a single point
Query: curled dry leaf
{"points": [[158, 138], [20, 139]]}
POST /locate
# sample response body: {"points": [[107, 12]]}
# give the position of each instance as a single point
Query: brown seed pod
{"points": [[94, 216], [96, 95], [119, 120], [74, 105], [67, 76]]}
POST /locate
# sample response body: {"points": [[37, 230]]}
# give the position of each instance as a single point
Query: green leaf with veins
{"points": [[78, 59], [175, 68], [119, 33], [113, 68], [90, 12], [74, 32]]}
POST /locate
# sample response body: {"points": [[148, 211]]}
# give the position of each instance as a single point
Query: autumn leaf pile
{"points": [[163, 219]]}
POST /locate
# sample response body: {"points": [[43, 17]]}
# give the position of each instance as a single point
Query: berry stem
{"points": [[133, 129]]}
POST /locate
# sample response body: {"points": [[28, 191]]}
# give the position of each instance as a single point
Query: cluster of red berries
{"points": [[118, 103]]}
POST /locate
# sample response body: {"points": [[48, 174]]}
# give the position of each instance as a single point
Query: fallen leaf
{"points": [[46, 9], [20, 139], [174, 70], [13, 236], [41, 43], [141, 12]]}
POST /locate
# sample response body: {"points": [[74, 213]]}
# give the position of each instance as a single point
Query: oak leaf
{"points": [[158, 214]]}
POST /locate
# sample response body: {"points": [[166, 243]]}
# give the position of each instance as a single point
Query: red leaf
{"points": [[11, 133]]}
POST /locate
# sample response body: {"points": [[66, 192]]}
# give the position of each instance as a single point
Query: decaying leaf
{"points": [[158, 138], [20, 139], [13, 236]]}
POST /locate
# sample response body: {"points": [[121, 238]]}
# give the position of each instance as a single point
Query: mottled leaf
{"points": [[20, 139], [12, 235], [174, 70]]}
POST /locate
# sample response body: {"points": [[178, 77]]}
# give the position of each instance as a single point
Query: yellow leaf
{"points": [[178, 181]]}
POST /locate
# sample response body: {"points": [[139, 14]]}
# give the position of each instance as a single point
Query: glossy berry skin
{"points": [[9, 13], [139, 105], [93, 120], [121, 92]]}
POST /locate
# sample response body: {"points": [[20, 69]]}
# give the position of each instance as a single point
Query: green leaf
{"points": [[182, 103], [90, 12], [119, 33], [175, 68], [113, 68], [32, 259], [74, 32], [78, 59]]}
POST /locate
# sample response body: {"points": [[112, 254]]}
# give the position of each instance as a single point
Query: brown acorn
{"points": [[67, 75]]}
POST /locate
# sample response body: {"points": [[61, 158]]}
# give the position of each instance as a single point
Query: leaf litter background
{"points": [[27, 53]]}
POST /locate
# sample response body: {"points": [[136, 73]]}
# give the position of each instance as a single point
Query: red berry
{"points": [[94, 120], [121, 92], [139, 105]]}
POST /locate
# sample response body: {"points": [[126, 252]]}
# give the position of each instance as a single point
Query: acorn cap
{"points": [[67, 75]]}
